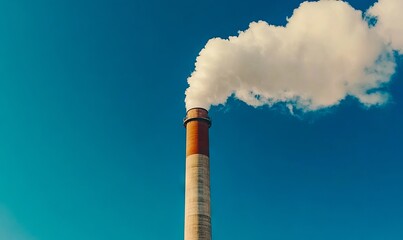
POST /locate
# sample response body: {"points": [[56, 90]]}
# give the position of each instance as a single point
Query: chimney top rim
{"points": [[194, 108]]}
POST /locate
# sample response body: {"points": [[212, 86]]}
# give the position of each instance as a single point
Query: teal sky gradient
{"points": [[92, 144]]}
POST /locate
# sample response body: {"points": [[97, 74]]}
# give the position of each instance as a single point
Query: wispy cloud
{"points": [[9, 228]]}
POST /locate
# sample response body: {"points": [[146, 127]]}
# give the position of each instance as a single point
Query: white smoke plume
{"points": [[326, 52], [389, 22]]}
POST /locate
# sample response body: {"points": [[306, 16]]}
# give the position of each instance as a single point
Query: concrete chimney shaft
{"points": [[197, 194]]}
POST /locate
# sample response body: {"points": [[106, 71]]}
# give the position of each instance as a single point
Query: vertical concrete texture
{"points": [[197, 193]]}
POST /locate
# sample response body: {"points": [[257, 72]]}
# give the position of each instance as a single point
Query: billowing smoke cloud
{"points": [[326, 52], [389, 22]]}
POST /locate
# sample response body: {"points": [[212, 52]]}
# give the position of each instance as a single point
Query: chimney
{"points": [[197, 193]]}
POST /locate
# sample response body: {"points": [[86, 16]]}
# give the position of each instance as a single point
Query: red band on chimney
{"points": [[197, 125]]}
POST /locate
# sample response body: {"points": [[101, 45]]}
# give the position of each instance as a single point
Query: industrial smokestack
{"points": [[197, 194]]}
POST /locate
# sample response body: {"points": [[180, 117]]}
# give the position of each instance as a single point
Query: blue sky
{"points": [[92, 144]]}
